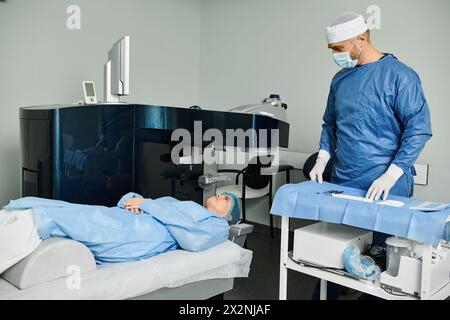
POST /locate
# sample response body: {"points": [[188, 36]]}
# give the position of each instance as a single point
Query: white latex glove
{"points": [[384, 184], [317, 171]]}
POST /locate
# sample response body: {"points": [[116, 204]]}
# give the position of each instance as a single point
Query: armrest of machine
{"points": [[50, 261], [285, 167], [239, 233], [238, 172]]}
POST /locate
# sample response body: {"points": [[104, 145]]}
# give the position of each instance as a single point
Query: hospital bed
{"points": [[315, 202], [62, 269]]}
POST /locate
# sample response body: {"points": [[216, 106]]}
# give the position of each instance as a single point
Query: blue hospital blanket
{"points": [[117, 235], [307, 201]]}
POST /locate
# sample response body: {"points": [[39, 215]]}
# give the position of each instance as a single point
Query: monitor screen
{"points": [[90, 89], [119, 58]]}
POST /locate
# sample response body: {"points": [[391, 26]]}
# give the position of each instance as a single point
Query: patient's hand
{"points": [[134, 204]]}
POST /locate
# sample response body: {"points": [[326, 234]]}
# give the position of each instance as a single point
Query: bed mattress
{"points": [[128, 280]]}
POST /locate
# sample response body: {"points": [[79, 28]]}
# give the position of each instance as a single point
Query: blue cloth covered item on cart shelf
{"points": [[359, 265], [313, 201]]}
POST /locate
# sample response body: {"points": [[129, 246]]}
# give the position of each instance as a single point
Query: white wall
{"points": [[42, 62]]}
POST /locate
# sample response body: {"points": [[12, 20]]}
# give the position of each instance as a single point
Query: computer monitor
{"points": [[117, 71]]}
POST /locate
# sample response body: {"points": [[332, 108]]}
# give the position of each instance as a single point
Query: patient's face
{"points": [[219, 204]]}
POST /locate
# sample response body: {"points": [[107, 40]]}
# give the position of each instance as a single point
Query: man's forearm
{"points": [[409, 151]]}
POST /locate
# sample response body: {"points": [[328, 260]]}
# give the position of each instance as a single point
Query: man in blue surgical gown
{"points": [[376, 121]]}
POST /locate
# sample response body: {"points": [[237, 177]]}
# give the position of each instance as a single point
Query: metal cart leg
{"points": [[323, 289], [284, 251], [425, 293]]}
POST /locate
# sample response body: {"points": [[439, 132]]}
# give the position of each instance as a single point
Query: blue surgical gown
{"points": [[376, 115], [117, 235]]}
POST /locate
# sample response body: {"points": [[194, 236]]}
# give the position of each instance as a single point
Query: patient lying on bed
{"points": [[135, 229]]}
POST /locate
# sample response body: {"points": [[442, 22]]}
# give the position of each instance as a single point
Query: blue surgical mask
{"points": [[344, 60]]}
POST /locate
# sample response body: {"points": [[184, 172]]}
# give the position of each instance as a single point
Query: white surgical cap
{"points": [[346, 26]]}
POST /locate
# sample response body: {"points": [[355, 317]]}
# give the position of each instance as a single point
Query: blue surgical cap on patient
{"points": [[234, 214]]}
